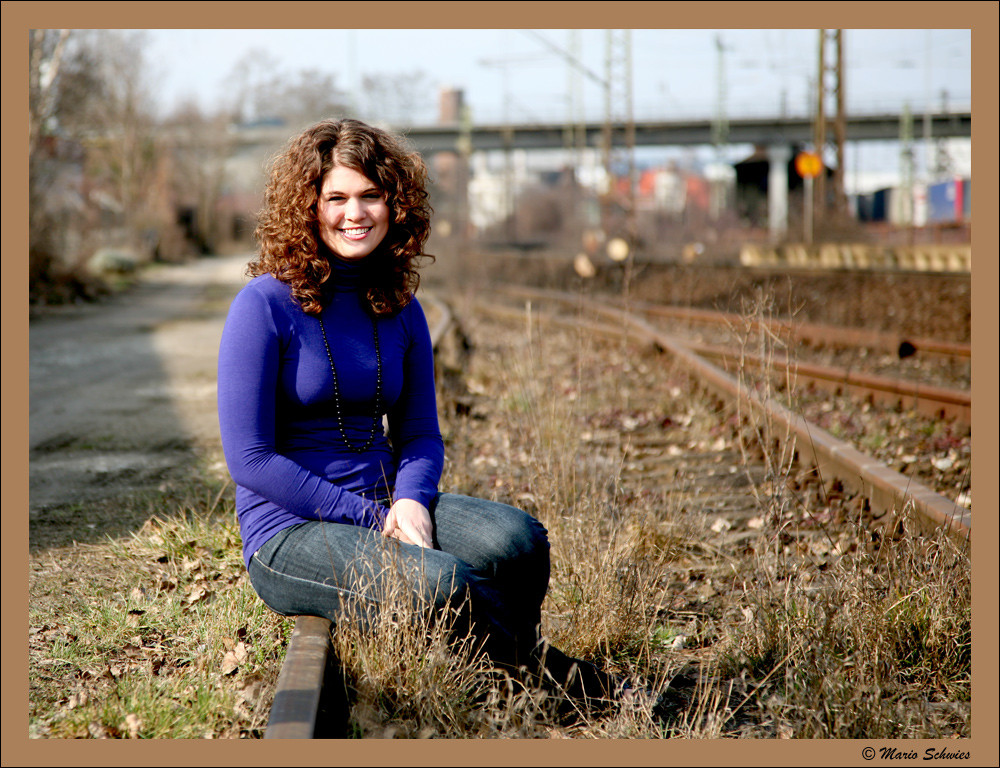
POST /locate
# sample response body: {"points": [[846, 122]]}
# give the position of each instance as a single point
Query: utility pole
{"points": [[720, 130], [575, 137], [928, 147], [720, 126], [576, 129], [834, 40], [618, 112], [840, 126], [906, 167]]}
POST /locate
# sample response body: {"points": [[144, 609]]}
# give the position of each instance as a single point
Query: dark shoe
{"points": [[579, 680]]}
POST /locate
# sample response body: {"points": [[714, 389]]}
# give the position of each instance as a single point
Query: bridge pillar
{"points": [[778, 156]]}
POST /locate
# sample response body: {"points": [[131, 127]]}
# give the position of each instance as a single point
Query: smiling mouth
{"points": [[355, 233]]}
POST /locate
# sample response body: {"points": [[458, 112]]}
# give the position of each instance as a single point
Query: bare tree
{"points": [[45, 55], [95, 171], [46, 51], [123, 156], [263, 92], [398, 98], [205, 195]]}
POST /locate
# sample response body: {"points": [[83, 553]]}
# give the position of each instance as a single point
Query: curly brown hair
{"points": [[287, 230]]}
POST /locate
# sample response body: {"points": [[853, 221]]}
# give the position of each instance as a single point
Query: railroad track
{"points": [[305, 706], [928, 399], [829, 457]]}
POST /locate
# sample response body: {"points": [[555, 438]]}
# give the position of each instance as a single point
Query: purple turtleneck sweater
{"points": [[277, 410]]}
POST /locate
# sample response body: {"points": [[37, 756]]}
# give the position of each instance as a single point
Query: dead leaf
{"points": [[77, 700], [98, 730], [133, 725], [251, 691], [721, 525], [943, 463], [168, 584], [242, 652], [132, 651], [196, 593], [230, 663]]}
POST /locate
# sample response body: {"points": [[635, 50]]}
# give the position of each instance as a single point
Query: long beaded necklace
{"points": [[377, 417]]}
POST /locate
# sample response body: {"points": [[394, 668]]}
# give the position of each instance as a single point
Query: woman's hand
{"points": [[410, 522]]}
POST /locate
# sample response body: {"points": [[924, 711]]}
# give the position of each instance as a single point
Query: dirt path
{"points": [[122, 398]]}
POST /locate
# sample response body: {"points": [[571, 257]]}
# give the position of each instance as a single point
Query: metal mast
{"points": [[720, 129], [906, 165], [618, 119], [576, 129], [830, 85]]}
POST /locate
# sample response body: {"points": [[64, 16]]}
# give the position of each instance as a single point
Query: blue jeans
{"points": [[490, 565]]}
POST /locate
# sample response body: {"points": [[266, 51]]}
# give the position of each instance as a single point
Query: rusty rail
{"points": [[814, 333], [936, 402], [885, 489]]}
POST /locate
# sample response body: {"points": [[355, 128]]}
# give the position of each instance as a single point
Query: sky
{"points": [[527, 75], [675, 71]]}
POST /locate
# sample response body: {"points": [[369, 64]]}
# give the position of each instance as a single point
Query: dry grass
{"points": [[818, 628], [409, 675], [156, 634], [876, 646], [847, 632], [804, 630]]}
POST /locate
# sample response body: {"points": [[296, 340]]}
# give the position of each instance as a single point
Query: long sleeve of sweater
{"points": [[413, 421]]}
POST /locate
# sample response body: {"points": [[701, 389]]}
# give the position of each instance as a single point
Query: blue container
{"points": [[863, 207], [880, 204], [941, 201]]}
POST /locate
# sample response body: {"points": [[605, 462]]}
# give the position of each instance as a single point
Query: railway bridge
{"points": [[768, 131], [779, 135]]}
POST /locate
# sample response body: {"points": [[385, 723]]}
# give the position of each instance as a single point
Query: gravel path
{"points": [[122, 393]]}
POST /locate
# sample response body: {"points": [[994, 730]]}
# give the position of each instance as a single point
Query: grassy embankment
{"points": [[159, 635]]}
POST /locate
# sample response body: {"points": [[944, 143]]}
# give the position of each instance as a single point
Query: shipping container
{"points": [[946, 201], [863, 207], [881, 204]]}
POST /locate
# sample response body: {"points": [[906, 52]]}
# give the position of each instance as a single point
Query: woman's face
{"points": [[352, 213]]}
